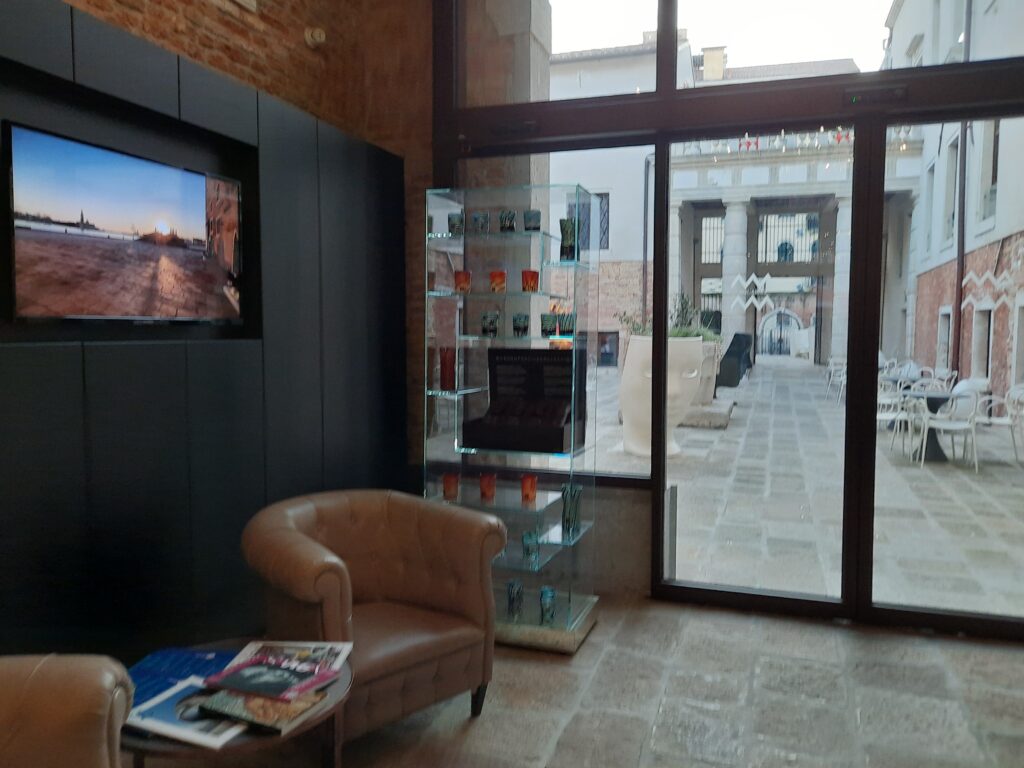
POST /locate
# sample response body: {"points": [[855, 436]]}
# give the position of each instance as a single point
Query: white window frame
{"points": [[945, 311], [989, 308]]}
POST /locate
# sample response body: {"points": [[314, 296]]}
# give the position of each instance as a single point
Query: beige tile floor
{"points": [[668, 686]]}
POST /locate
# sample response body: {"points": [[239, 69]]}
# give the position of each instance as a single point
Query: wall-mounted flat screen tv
{"points": [[99, 234]]}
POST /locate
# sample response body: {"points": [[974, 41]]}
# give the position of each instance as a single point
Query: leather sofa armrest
{"points": [[301, 569], [59, 711]]}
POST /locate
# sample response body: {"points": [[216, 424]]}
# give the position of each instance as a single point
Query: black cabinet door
{"points": [[117, 63], [137, 443], [217, 103], [43, 526], [225, 439], [37, 33], [289, 237]]}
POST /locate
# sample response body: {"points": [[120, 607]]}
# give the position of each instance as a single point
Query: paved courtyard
{"points": [[760, 502]]}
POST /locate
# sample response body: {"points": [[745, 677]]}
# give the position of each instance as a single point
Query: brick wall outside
{"points": [[371, 79], [935, 289]]}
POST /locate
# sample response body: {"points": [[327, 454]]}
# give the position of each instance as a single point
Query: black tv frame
{"points": [[35, 100], [10, 288]]}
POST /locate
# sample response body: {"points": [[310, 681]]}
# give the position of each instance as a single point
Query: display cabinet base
{"points": [[559, 639]]}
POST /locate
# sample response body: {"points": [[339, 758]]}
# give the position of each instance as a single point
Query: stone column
{"points": [[734, 265], [841, 280]]}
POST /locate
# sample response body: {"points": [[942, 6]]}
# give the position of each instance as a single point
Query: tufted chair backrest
{"points": [[400, 548]]}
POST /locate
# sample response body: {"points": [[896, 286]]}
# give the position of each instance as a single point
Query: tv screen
{"points": [[101, 234]]}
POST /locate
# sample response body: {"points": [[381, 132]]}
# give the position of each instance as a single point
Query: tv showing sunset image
{"points": [[100, 234]]}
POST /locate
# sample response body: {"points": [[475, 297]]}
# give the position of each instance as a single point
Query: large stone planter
{"points": [[684, 365], [709, 372]]}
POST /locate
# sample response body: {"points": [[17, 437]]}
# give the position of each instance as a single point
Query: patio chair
{"points": [[947, 377], [985, 416], [958, 416], [839, 379], [834, 364], [890, 395], [926, 372], [903, 415]]}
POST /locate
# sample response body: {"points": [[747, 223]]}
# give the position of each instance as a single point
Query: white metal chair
{"points": [[958, 416], [947, 377], [986, 416], [839, 378], [835, 363]]}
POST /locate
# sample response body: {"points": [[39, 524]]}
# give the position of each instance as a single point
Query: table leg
{"points": [[331, 742]]}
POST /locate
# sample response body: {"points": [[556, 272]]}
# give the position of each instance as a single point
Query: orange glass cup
{"points": [[463, 281], [488, 486], [531, 281], [450, 483], [498, 281], [529, 486]]}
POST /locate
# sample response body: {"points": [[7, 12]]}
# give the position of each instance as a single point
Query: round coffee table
{"points": [[329, 719]]}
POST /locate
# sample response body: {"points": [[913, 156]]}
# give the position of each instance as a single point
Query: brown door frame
{"points": [[869, 103]]}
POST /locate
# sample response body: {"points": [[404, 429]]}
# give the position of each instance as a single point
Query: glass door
{"points": [[758, 323], [949, 487]]}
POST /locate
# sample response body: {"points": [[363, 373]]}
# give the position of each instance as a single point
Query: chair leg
{"points": [[974, 448], [1013, 437], [477, 702]]}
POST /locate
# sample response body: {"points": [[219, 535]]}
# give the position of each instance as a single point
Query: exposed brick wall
{"points": [[935, 289], [371, 79]]}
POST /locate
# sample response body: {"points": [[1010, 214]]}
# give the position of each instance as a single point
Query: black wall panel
{"points": [[344, 253], [384, 187], [137, 451], [225, 450], [363, 298], [131, 458], [37, 33], [117, 63], [291, 301], [216, 102], [43, 528]]}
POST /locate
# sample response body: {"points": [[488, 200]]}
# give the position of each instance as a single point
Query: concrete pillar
{"points": [[841, 281], [734, 265]]}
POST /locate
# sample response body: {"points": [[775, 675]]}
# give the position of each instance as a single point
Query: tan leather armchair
{"points": [[407, 580], [62, 711]]}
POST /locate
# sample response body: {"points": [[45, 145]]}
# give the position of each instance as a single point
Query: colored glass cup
{"points": [[529, 488], [488, 486], [450, 483], [531, 281]]}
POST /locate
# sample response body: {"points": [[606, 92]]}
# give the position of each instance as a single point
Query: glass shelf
{"points": [[485, 341], [446, 294], [507, 499], [584, 265], [569, 609], [492, 236], [455, 393], [476, 451], [555, 535], [512, 558]]}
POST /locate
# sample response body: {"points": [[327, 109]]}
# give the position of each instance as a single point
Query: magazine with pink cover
{"points": [[274, 677]]}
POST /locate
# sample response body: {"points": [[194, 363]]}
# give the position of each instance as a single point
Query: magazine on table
{"points": [[325, 655], [274, 677], [176, 713], [281, 717]]}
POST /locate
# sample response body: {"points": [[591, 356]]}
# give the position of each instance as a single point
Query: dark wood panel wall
{"points": [[128, 468]]}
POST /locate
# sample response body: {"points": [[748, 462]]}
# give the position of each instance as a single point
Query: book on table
{"points": [[274, 677], [176, 713], [324, 655], [280, 717]]}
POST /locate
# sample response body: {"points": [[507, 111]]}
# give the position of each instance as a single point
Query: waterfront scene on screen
{"points": [[100, 234]]}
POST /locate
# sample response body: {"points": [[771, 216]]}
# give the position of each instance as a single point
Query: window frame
{"points": [[870, 103]]}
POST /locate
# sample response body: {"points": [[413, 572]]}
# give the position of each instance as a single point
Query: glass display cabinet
{"points": [[509, 400]]}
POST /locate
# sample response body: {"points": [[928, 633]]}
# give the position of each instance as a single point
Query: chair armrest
{"points": [[58, 711], [459, 547], [299, 569]]}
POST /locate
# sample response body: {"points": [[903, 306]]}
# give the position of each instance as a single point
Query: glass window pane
{"points": [[618, 227], [759, 266], [949, 483], [520, 51], [734, 41]]}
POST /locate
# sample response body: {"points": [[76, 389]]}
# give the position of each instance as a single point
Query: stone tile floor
{"points": [[667, 686], [760, 502]]}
